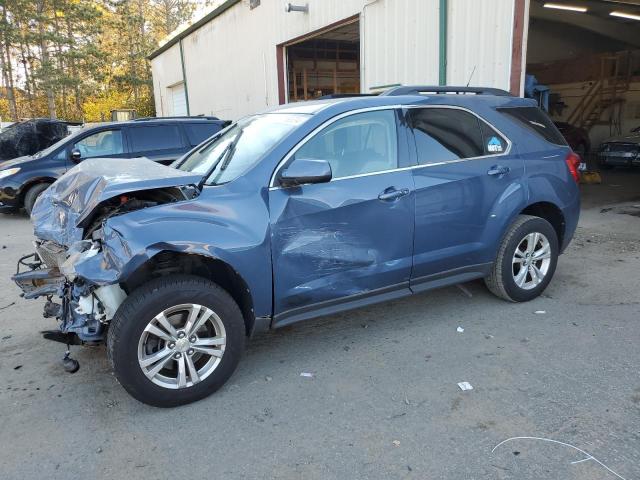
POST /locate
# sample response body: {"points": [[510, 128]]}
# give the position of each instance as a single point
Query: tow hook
{"points": [[70, 365]]}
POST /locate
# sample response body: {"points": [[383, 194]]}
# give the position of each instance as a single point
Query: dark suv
{"points": [[159, 139], [305, 210]]}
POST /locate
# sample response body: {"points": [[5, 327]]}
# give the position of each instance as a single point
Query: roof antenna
{"points": [[471, 76]]}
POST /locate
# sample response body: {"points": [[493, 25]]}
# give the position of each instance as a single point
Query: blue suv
{"points": [[305, 210]]}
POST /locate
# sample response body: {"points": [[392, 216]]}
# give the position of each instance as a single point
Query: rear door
{"points": [[349, 239], [466, 171], [160, 143]]}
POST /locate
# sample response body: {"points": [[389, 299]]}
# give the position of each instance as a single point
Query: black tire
{"points": [[32, 194], [501, 281], [138, 310]]}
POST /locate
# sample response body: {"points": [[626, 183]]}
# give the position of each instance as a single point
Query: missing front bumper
{"points": [[83, 309]]}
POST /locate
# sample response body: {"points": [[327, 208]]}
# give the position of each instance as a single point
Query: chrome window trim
{"points": [[285, 159]]}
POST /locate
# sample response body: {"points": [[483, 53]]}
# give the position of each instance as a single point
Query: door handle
{"points": [[392, 193], [498, 170]]}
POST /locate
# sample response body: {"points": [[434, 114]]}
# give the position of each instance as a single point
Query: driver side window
{"points": [[358, 144], [107, 142]]}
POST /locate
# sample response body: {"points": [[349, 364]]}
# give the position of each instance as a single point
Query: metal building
{"points": [[247, 55]]}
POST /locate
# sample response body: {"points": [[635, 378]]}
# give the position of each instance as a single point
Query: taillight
{"points": [[573, 162]]}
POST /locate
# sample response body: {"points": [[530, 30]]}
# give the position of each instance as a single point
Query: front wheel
{"points": [[175, 340], [32, 195], [526, 260]]}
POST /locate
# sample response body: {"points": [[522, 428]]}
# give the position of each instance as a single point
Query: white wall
{"points": [[231, 64], [479, 35]]}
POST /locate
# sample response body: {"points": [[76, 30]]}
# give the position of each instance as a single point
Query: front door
{"points": [[349, 239], [102, 144], [466, 177]]}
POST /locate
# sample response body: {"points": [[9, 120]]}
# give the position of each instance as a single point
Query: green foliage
{"points": [[79, 59]]}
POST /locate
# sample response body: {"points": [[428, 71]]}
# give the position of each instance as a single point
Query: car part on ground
{"points": [[312, 209]]}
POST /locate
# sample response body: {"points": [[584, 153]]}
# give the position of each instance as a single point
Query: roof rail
{"points": [[429, 89], [345, 95], [193, 117]]}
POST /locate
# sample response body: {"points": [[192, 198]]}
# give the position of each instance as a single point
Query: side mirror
{"points": [[76, 156], [303, 170]]}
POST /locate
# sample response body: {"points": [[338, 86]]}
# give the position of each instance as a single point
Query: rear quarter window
{"points": [[535, 120], [155, 137], [199, 132]]}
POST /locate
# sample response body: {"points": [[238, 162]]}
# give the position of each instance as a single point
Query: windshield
{"points": [[56, 145], [231, 154]]}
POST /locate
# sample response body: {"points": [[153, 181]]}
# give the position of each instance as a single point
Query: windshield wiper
{"points": [[210, 170], [227, 156], [232, 150]]}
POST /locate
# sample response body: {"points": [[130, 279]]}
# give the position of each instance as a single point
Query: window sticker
{"points": [[494, 145]]}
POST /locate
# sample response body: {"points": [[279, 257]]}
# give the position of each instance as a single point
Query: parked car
{"points": [[31, 136], [621, 151], [305, 210], [576, 137], [162, 140]]}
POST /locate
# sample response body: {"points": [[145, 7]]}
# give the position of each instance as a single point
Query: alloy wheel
{"points": [[531, 260], [181, 346]]}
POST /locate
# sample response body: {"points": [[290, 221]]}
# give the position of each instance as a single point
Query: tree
{"points": [[80, 58]]}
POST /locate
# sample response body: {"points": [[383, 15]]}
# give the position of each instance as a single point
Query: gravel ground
{"points": [[383, 401]]}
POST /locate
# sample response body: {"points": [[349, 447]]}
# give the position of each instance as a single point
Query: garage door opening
{"points": [[583, 66], [324, 64]]}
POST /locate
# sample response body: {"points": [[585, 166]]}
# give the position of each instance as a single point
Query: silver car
{"points": [[623, 150]]}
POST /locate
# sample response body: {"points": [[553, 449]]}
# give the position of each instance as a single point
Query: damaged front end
{"points": [[79, 259], [80, 307]]}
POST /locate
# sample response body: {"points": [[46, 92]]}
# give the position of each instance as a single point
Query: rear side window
{"points": [[199, 132], [493, 142], [444, 134], [155, 137], [536, 121]]}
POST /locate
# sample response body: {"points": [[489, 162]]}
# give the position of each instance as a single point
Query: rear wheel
{"points": [[175, 340], [526, 260], [32, 195]]}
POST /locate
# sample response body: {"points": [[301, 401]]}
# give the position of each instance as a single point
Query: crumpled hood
{"points": [[61, 208]]}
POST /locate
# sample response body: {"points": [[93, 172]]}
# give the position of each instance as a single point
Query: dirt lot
{"points": [[384, 401]]}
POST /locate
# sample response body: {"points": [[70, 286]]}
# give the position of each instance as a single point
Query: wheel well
{"points": [[219, 272], [551, 214], [27, 186]]}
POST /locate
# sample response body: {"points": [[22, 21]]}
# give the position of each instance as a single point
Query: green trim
{"points": [[184, 77], [442, 76], [192, 28]]}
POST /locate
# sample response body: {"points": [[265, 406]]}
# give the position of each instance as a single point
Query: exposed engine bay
{"points": [[76, 263]]}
